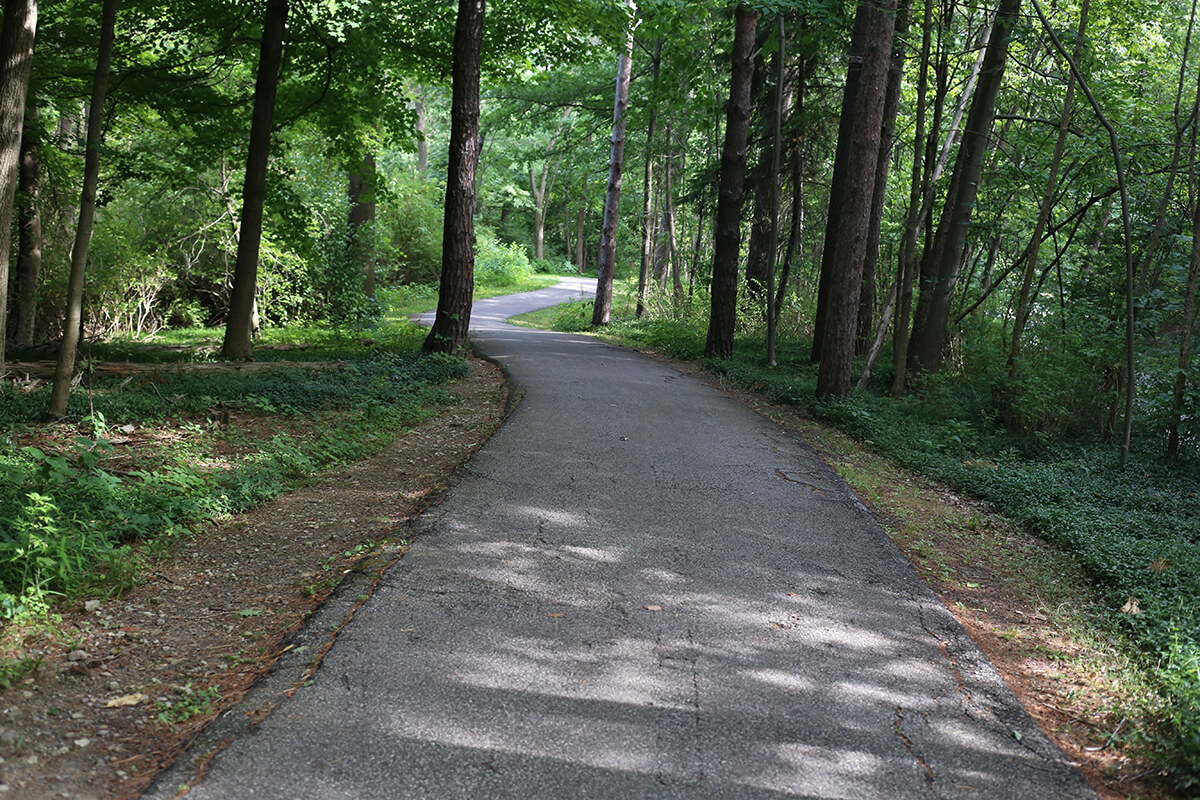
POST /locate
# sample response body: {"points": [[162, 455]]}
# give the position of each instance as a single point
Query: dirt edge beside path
{"points": [[125, 685]]}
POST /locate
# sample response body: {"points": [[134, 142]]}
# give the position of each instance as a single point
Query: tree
{"points": [[837, 181], [29, 249], [854, 225], [945, 257], [453, 320], [361, 221], [65, 368], [16, 50], [606, 265], [240, 327], [727, 232]]}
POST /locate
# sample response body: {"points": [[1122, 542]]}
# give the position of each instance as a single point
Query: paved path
{"points": [[642, 589]]}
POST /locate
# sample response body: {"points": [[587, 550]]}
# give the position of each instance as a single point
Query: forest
{"points": [[965, 233]]}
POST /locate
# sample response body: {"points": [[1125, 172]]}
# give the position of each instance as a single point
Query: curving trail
{"points": [[642, 589]]}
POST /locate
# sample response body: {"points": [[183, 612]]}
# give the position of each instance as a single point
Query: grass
{"points": [[1135, 532]]}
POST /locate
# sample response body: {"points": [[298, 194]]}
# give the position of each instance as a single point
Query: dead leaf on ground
{"points": [[127, 700], [652, 608], [1131, 607]]}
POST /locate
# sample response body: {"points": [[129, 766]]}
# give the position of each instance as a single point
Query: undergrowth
{"points": [[77, 518]]}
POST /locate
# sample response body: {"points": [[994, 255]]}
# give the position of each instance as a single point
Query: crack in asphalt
{"points": [[930, 777]]}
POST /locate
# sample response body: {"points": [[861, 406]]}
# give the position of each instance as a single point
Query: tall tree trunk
{"points": [[853, 233], [602, 310], [906, 271], [240, 324], [539, 188], [929, 335], [669, 218], [453, 321], [727, 233], [29, 247], [795, 244], [64, 369], [647, 179], [780, 60], [837, 185], [891, 106], [16, 48], [362, 222]]}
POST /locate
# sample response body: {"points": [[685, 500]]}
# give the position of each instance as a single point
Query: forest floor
{"points": [[124, 685]]}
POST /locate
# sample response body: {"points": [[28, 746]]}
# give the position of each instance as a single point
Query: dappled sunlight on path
{"points": [[643, 590]]}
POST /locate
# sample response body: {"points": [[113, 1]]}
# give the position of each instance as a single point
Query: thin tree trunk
{"points": [[1127, 225], [453, 320], [16, 48], [1021, 315], [29, 247], [929, 335], [727, 233], [851, 239], [602, 310], [908, 242], [647, 180], [795, 245], [361, 222], [65, 368], [669, 220], [539, 188], [780, 59], [580, 226], [240, 324]]}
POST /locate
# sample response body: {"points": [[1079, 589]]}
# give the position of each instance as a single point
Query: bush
{"points": [[499, 265]]}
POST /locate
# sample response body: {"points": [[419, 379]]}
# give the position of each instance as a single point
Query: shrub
{"points": [[499, 264]]}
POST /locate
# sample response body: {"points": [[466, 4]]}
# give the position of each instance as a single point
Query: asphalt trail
{"points": [[642, 589]]}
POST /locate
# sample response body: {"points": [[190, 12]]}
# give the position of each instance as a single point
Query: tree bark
{"points": [[64, 369], [727, 234], [605, 267], [453, 320], [905, 271], [891, 107], [647, 180], [837, 185], [239, 326], [29, 247], [929, 335], [16, 48], [668, 225], [780, 60], [853, 232], [361, 222]]}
